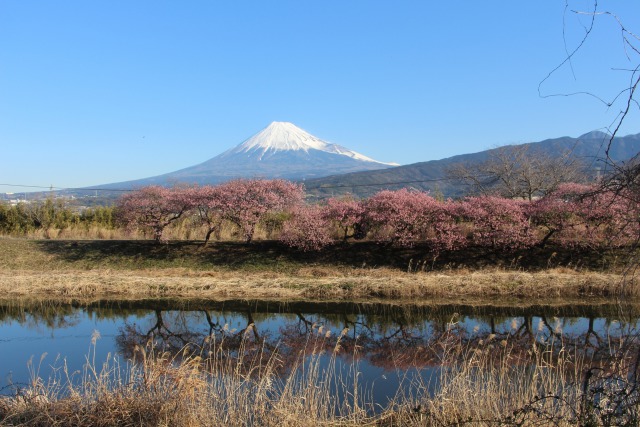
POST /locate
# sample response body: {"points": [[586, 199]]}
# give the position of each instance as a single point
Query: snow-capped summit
{"points": [[281, 150], [281, 136], [285, 136]]}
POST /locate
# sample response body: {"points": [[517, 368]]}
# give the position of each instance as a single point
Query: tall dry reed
{"points": [[483, 382], [212, 386]]}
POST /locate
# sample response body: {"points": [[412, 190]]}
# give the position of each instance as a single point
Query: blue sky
{"points": [[93, 92]]}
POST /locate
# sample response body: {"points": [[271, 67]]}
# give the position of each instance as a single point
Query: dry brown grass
{"points": [[135, 269], [83, 232], [182, 230], [237, 285]]}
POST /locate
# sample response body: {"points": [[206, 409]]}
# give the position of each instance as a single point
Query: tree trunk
{"points": [[544, 240], [206, 238]]}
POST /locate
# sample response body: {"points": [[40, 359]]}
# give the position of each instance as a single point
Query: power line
{"points": [[321, 187], [30, 186], [308, 188], [100, 189], [50, 187]]}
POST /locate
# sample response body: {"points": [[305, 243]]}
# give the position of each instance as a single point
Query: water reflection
{"points": [[382, 339]]}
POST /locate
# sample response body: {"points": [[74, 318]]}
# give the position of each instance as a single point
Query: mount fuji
{"points": [[281, 150]]}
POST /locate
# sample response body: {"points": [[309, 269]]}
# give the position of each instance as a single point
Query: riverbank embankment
{"points": [[267, 270]]}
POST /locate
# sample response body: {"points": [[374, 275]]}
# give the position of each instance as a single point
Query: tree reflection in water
{"points": [[592, 349], [392, 342]]}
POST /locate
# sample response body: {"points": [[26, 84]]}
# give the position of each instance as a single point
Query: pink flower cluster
{"points": [[573, 215], [241, 202]]}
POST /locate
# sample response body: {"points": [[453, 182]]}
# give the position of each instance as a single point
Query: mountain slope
{"points": [[281, 150], [431, 175]]}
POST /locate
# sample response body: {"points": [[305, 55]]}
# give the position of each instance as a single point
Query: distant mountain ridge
{"points": [[431, 175], [282, 150]]}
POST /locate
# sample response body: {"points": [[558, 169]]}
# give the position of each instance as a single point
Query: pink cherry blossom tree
{"points": [[498, 222], [610, 218], [580, 215], [308, 228], [447, 226], [558, 214], [245, 202], [153, 208], [405, 217], [395, 216], [209, 206], [346, 214]]}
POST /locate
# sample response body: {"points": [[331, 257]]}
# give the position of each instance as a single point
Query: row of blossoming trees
{"points": [[573, 215]]}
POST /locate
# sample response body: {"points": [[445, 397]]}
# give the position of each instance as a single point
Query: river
{"points": [[389, 344]]}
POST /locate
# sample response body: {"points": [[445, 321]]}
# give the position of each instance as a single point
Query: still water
{"points": [[389, 344]]}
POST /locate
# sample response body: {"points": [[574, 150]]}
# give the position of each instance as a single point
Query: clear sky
{"points": [[93, 92]]}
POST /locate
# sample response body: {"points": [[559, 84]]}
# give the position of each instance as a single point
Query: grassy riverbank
{"points": [[268, 270]]}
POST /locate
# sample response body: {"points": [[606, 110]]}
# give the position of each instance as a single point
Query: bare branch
{"points": [[569, 55], [519, 172]]}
